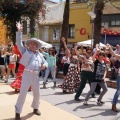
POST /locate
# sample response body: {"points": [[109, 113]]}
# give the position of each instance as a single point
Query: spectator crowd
{"points": [[79, 65]]}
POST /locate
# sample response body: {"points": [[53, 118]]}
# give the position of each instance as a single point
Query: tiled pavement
{"points": [[49, 112], [57, 106]]}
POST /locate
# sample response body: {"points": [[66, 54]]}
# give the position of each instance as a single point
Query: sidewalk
{"points": [[49, 112]]}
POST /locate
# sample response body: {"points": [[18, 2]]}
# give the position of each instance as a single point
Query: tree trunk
{"points": [[97, 22], [32, 25], [65, 25], [13, 27]]}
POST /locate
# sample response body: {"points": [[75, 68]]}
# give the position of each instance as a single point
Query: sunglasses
{"points": [[89, 52], [50, 50]]}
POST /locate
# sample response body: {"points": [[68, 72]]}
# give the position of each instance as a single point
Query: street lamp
{"points": [[105, 32], [93, 16]]}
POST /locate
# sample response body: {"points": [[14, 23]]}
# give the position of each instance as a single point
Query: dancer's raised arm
{"points": [[19, 38], [113, 53], [65, 46]]}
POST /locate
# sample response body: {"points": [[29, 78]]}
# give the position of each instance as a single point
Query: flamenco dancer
{"points": [[34, 62], [72, 80], [17, 83]]}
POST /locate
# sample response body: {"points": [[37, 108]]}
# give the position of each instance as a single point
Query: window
{"points": [[71, 31], [56, 34], [105, 21], [115, 20], [115, 23], [24, 27], [105, 24]]}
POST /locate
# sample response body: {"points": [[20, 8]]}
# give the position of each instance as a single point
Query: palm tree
{"points": [[99, 6], [65, 25]]}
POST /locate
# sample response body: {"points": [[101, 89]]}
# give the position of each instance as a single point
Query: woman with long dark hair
{"points": [[98, 77], [72, 81], [51, 60]]}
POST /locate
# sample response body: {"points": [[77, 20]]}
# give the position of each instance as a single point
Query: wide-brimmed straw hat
{"points": [[34, 40]]}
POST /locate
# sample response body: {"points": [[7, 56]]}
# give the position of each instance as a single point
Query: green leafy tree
{"points": [[12, 10]]}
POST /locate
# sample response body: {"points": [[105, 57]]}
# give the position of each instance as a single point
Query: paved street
{"points": [[53, 101], [90, 112]]}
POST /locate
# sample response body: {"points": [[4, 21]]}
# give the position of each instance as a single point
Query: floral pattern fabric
{"points": [[72, 82]]}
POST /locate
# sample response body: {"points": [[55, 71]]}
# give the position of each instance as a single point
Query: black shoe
{"points": [[100, 102], [93, 96], [37, 112], [29, 90], [17, 116], [77, 99], [5, 81], [64, 91]]}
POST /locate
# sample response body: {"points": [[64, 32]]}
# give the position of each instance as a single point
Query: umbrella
{"points": [[89, 43], [44, 44]]}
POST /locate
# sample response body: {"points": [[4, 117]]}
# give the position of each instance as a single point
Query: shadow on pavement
{"points": [[10, 93], [85, 106], [104, 113], [29, 115], [68, 102], [56, 93]]}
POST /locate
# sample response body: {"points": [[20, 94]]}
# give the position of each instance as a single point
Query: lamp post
{"points": [[105, 32], [93, 16]]}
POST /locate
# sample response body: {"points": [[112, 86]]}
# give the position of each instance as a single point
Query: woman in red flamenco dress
{"points": [[17, 83]]}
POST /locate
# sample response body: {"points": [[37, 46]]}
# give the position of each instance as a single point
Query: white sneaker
{"points": [[85, 103]]}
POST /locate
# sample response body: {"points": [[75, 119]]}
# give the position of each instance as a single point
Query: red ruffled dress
{"points": [[17, 83]]}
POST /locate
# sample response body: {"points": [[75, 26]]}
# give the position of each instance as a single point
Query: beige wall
{"points": [[50, 33], [79, 17]]}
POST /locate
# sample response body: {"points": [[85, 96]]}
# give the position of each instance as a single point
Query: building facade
{"points": [[26, 23], [110, 32], [80, 28]]}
